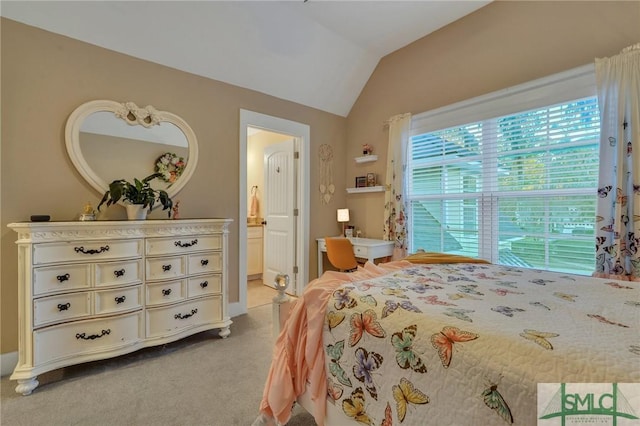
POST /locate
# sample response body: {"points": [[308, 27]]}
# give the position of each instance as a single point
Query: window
{"points": [[519, 188]]}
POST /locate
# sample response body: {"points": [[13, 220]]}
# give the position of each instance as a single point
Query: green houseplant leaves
{"points": [[138, 192]]}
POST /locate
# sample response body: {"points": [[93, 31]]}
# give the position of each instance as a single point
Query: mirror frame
{"points": [[132, 115]]}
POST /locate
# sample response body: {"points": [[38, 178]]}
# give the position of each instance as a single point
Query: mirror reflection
{"points": [[114, 149]]}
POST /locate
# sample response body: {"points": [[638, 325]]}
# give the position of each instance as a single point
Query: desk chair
{"points": [[340, 254]]}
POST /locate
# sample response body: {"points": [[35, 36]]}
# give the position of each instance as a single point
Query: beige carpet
{"points": [[200, 380]]}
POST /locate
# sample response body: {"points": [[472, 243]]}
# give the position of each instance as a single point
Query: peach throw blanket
{"points": [[298, 356]]}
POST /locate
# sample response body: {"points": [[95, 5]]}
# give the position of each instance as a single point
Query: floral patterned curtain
{"points": [[394, 202], [618, 209]]}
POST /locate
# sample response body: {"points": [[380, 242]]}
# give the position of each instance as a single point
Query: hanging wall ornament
{"points": [[327, 188]]}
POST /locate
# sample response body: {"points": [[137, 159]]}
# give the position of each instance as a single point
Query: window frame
{"points": [[567, 86]]}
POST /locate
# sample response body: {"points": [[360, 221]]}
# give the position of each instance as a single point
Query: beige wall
{"points": [[46, 76], [498, 46]]}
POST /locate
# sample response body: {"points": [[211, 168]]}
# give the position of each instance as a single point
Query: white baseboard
{"points": [[236, 309], [8, 362]]}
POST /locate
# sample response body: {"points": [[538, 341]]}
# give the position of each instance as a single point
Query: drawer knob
{"points": [[91, 251], [84, 336], [63, 278], [204, 284], [166, 268], [120, 299], [204, 262], [63, 306], [187, 244], [119, 273], [166, 292], [180, 316]]}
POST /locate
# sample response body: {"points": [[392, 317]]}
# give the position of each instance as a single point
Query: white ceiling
{"points": [[318, 53]]}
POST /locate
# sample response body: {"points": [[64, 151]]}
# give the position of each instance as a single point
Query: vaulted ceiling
{"points": [[317, 53]]}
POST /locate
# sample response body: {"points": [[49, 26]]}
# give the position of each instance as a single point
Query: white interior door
{"points": [[279, 205]]}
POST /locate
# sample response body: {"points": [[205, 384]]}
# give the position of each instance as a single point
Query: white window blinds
{"points": [[517, 189]]}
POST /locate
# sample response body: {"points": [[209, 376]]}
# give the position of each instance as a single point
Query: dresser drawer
{"points": [[118, 273], [84, 337], [117, 300], [156, 246], [76, 251], [62, 307], [49, 279], [166, 292], [203, 285], [162, 268], [172, 319], [205, 262]]}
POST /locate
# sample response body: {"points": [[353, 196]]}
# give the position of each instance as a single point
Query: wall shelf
{"points": [[366, 158], [365, 189]]}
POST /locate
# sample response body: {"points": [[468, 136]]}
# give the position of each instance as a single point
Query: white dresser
{"points": [[94, 290]]}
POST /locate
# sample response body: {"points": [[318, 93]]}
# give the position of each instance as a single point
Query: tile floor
{"points": [[259, 294]]}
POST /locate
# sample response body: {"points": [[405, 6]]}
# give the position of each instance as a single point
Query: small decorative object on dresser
{"points": [[176, 210], [87, 213], [95, 290], [139, 195]]}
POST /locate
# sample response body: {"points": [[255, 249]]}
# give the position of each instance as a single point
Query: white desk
{"points": [[366, 248]]}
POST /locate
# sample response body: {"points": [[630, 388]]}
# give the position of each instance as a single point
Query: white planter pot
{"points": [[136, 211]]}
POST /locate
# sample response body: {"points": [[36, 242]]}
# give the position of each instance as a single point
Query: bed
{"points": [[461, 342]]}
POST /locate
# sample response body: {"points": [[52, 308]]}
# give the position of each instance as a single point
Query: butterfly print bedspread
{"points": [[466, 344]]}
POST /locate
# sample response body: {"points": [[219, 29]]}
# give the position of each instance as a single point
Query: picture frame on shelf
{"points": [[361, 181], [371, 179]]}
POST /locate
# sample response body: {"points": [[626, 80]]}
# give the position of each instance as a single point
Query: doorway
{"points": [[301, 135]]}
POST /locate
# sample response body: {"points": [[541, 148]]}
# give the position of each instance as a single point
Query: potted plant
{"points": [[139, 193]]}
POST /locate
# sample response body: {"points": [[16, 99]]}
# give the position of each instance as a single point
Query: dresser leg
{"points": [[25, 387], [224, 332]]}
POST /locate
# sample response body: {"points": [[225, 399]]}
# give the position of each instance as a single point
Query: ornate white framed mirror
{"points": [[108, 140]]}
